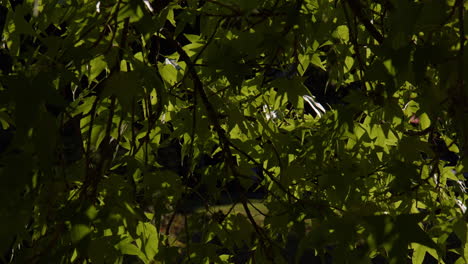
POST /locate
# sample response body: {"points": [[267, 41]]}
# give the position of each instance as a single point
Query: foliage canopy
{"points": [[125, 124]]}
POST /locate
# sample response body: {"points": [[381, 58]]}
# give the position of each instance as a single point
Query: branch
{"points": [[258, 230], [94, 175], [212, 114], [233, 9], [418, 133], [354, 40], [272, 178], [356, 6], [462, 95]]}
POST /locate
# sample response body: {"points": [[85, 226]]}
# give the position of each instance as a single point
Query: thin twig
{"points": [[268, 173], [236, 11], [357, 8]]}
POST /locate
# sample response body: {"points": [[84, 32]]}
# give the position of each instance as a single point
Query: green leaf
{"points": [[342, 33], [461, 230], [127, 246], [315, 60], [169, 73], [149, 236], [132, 10], [420, 252], [78, 232], [95, 67], [126, 86], [424, 121]]}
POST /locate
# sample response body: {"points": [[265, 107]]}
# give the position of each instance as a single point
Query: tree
{"points": [[126, 123]]}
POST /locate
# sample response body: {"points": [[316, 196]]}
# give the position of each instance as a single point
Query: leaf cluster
{"points": [[181, 131]]}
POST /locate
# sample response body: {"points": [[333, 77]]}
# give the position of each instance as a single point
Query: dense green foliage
{"points": [[124, 123]]}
